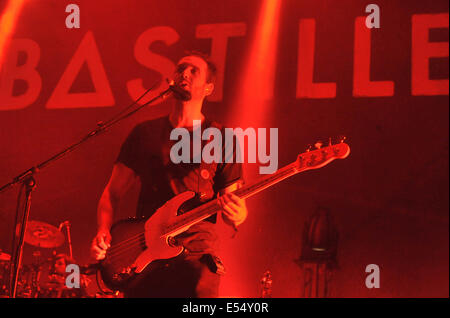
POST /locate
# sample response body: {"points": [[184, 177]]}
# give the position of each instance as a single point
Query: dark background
{"points": [[389, 198]]}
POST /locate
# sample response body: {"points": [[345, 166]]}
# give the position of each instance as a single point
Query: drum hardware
{"points": [[38, 234], [67, 224], [4, 257], [41, 234], [44, 277], [4, 274], [26, 179]]}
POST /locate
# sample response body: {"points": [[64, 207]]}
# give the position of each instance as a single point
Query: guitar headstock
{"points": [[321, 156]]}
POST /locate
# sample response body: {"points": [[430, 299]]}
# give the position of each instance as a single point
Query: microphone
{"points": [[178, 92]]}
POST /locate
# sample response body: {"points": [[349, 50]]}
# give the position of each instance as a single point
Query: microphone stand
{"points": [[69, 239], [28, 181]]}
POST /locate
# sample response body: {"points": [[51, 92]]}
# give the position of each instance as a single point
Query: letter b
{"points": [[26, 72]]}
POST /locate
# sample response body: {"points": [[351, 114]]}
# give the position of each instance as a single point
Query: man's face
{"points": [[191, 74], [60, 266]]}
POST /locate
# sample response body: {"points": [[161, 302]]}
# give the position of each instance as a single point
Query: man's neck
{"points": [[184, 113]]}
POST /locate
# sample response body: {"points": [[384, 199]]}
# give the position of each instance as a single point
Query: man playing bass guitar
{"points": [[145, 157]]}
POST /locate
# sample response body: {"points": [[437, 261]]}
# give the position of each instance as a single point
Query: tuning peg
{"points": [[318, 144], [342, 138], [329, 142], [309, 148]]}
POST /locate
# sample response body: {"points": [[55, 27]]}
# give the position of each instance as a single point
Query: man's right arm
{"points": [[122, 178]]}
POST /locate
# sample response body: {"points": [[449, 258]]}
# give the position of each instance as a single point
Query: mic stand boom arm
{"points": [[28, 181]]}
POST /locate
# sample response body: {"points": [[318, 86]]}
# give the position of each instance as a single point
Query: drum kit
{"points": [[44, 277]]}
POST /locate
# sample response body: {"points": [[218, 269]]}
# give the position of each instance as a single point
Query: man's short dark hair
{"points": [[212, 70]]}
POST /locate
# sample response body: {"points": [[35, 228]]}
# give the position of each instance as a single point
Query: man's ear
{"points": [[209, 89]]}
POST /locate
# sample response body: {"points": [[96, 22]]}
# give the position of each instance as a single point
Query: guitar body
{"points": [[136, 243]]}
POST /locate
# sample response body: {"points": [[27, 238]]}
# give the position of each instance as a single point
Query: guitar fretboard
{"points": [[306, 161], [206, 210]]}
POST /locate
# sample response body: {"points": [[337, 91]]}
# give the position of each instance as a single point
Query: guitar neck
{"points": [[309, 160], [206, 210], [262, 184]]}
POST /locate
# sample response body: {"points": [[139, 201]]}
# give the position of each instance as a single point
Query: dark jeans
{"points": [[185, 276]]}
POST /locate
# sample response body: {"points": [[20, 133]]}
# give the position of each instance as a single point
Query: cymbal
{"points": [[44, 235], [5, 257]]}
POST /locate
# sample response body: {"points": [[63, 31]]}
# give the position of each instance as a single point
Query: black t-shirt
{"points": [[147, 152]]}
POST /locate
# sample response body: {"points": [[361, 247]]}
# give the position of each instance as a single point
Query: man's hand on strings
{"points": [[100, 244], [234, 210]]}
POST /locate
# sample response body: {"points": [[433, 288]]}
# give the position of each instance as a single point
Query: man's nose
{"points": [[186, 73]]}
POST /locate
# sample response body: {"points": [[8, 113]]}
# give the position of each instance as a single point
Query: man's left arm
{"points": [[234, 209]]}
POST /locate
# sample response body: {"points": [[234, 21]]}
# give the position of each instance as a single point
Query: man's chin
{"points": [[182, 94]]}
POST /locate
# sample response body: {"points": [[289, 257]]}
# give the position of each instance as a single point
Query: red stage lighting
{"points": [[251, 108], [7, 24]]}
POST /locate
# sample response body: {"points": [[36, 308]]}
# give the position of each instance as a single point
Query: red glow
{"points": [[7, 23], [251, 108], [256, 87], [258, 79]]}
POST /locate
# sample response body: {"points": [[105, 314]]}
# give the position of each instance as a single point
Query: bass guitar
{"points": [[137, 242]]}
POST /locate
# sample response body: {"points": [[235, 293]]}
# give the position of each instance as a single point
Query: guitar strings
{"points": [[130, 247], [207, 209], [123, 245], [137, 239], [124, 252], [132, 238], [137, 236]]}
